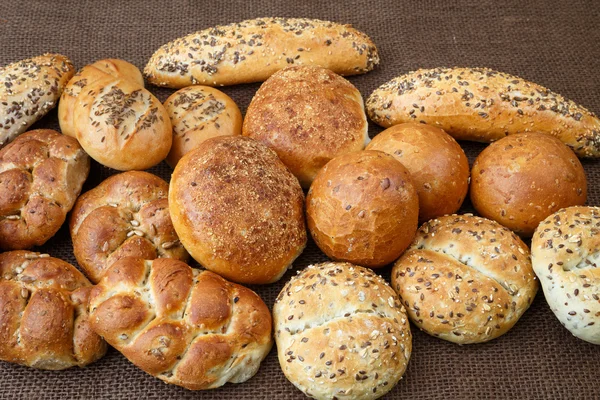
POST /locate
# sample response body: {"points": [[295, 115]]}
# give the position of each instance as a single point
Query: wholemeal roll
{"points": [[184, 326], [308, 115], [238, 210], [363, 208], [41, 175], [437, 164], [565, 255], [521, 179], [28, 90], [127, 215], [483, 105], [118, 122], [465, 279], [341, 333], [252, 50], [198, 113], [44, 318]]}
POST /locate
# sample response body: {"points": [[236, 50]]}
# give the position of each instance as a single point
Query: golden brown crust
{"points": [[437, 164], [465, 279], [308, 115], [44, 321], [127, 215], [483, 105], [238, 210], [521, 179], [41, 174], [184, 326], [252, 50], [363, 208]]}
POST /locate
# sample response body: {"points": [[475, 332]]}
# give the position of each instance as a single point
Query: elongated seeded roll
{"points": [[483, 105]]}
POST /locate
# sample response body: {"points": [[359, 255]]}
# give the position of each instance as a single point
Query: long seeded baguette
{"points": [[252, 50], [483, 105]]}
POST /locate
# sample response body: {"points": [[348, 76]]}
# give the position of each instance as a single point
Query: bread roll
{"points": [[127, 215], [28, 90], [118, 122], [184, 326], [438, 166], [465, 279], [363, 208], [565, 255], [41, 175], [198, 113], [308, 115], [44, 318], [238, 210], [483, 105], [341, 333], [252, 50], [521, 179]]}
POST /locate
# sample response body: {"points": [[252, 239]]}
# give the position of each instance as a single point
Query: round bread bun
{"points": [[363, 208], [238, 210], [465, 279], [308, 115], [565, 252], [198, 113], [341, 332], [437, 164], [521, 179]]}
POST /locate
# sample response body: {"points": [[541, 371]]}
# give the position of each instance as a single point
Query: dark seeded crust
{"points": [[483, 105], [252, 50]]}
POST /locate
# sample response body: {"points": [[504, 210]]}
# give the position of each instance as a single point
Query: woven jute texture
{"points": [[556, 44]]}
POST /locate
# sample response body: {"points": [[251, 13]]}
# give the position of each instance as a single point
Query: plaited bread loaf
{"points": [[28, 90], [483, 105], [118, 122], [184, 326], [565, 251], [44, 321], [252, 50], [41, 174], [465, 279], [127, 215], [341, 333]]}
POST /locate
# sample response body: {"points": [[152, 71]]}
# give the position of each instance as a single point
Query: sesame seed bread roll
{"points": [[341, 332], [252, 50], [565, 252], [465, 279], [198, 113], [28, 90], [308, 115], [483, 105]]}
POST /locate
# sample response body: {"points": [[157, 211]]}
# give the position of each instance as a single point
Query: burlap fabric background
{"points": [[556, 44]]}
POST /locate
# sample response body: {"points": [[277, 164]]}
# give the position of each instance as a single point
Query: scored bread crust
{"points": [[484, 105], [252, 50]]}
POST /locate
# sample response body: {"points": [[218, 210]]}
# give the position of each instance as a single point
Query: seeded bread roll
{"points": [[483, 105], [565, 251], [127, 215], [252, 50], [341, 333], [118, 122], [437, 164], [28, 90], [198, 113], [363, 208], [465, 279], [187, 327], [44, 318], [41, 175], [308, 115], [238, 210], [521, 179]]}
